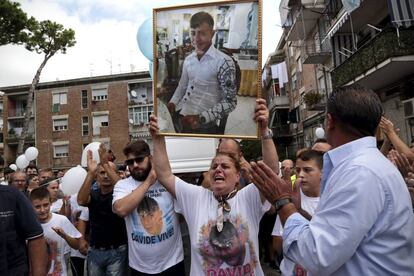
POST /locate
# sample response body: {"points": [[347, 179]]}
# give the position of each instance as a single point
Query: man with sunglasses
{"points": [[150, 252], [108, 242]]}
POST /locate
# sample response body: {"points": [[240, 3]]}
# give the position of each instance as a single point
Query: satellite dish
{"points": [[133, 93], [131, 121]]}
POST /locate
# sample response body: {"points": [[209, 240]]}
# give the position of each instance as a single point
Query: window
{"points": [[60, 124], [140, 115], [99, 120], [60, 97], [85, 126], [100, 94], [60, 151], [84, 99]]}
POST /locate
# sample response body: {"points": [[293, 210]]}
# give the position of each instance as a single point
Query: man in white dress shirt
{"points": [[206, 93]]}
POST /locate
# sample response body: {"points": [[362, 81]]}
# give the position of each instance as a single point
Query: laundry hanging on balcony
{"points": [[401, 12], [279, 71]]}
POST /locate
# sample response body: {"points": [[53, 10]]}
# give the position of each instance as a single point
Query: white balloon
{"points": [[22, 162], [319, 133], [72, 181], [13, 167], [31, 153], [94, 146]]}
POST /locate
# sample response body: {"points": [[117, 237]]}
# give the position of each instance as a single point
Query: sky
{"points": [[105, 32]]}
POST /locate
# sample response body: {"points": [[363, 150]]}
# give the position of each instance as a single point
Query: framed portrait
{"points": [[207, 63]]}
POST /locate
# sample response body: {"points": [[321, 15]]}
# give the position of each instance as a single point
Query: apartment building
{"points": [[307, 58], [373, 45], [68, 115], [331, 43]]}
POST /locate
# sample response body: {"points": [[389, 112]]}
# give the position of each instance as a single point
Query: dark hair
{"points": [[357, 109], [320, 140], [233, 159], [201, 17], [310, 154], [32, 166], [121, 168], [220, 239], [39, 193], [137, 148], [148, 205]]}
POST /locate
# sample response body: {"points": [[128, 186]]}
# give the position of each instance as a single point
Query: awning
{"points": [[335, 27], [401, 12]]}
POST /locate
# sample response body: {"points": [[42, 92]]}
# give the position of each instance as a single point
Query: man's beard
{"points": [[140, 175]]}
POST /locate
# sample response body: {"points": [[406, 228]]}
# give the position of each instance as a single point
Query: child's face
{"points": [[42, 209], [309, 174]]}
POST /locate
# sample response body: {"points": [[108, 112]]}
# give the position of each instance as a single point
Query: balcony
{"points": [[300, 21], [383, 60], [315, 100], [13, 138], [316, 51]]}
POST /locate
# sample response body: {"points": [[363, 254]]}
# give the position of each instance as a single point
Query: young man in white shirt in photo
{"points": [[207, 89]]}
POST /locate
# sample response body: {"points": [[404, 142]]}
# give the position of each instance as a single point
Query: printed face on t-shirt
{"points": [[152, 221], [42, 209], [150, 215]]}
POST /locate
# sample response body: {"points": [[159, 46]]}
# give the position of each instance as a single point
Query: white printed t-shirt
{"points": [[240, 250], [289, 268], [154, 236], [57, 246]]}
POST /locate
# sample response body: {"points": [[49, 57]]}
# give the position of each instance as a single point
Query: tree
{"points": [[14, 23], [48, 38]]}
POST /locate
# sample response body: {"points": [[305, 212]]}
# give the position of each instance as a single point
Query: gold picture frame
{"points": [[207, 74]]}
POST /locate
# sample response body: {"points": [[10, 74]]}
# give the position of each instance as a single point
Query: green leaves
{"points": [[49, 37], [14, 23], [45, 37]]}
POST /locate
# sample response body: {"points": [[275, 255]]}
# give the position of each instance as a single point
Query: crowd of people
{"points": [[343, 207]]}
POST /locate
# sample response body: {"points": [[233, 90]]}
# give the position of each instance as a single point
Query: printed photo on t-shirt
{"points": [[152, 222], [54, 261], [229, 251]]}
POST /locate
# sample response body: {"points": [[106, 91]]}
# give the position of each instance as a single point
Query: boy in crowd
{"points": [[308, 172], [60, 234]]}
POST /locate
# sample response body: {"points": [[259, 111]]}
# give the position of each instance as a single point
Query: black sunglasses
{"points": [[130, 162]]}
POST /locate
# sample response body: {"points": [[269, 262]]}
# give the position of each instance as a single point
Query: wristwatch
{"points": [[268, 135], [282, 202]]}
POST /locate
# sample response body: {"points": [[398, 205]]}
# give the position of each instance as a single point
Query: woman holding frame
{"points": [[224, 222]]}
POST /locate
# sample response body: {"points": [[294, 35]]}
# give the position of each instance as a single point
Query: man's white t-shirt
{"points": [[57, 246], [76, 211], [309, 204], [154, 245], [199, 207]]}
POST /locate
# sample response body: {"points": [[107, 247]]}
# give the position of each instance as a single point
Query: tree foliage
{"points": [[44, 37], [15, 25]]}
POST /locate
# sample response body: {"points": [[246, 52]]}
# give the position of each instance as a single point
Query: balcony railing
{"points": [[383, 46], [315, 100], [316, 51]]}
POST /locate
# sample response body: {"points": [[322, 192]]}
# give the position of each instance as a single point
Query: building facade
{"points": [[332, 43], [68, 115]]}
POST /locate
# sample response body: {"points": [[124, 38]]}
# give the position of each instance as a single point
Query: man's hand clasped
{"points": [[270, 184]]}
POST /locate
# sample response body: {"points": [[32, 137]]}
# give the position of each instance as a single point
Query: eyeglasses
{"points": [[130, 162]]}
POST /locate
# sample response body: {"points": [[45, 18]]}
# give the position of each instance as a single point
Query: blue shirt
{"points": [[364, 223]]}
